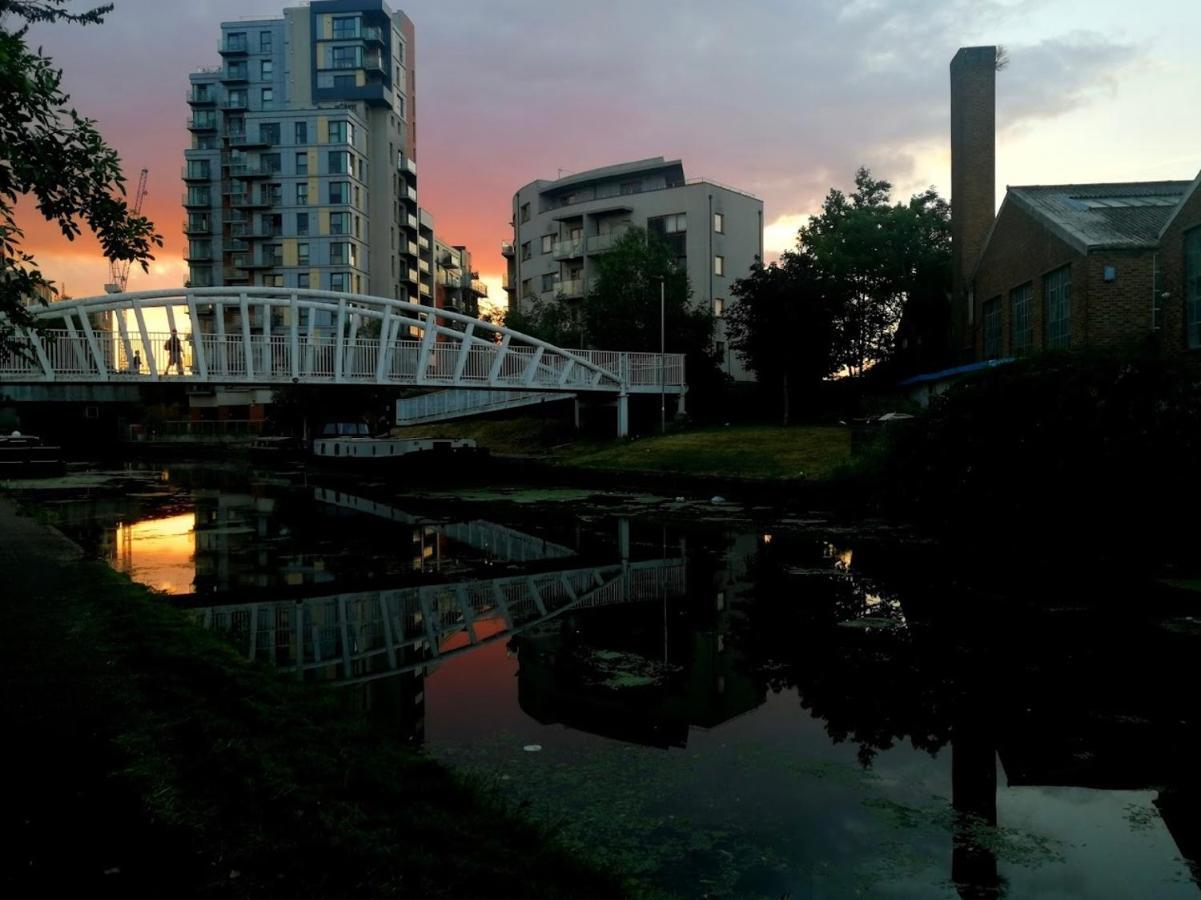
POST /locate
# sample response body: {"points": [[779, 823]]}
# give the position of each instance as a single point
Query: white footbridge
{"points": [[266, 336]]}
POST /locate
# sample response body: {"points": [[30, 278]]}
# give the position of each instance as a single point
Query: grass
{"points": [[741, 451], [155, 761], [736, 451]]}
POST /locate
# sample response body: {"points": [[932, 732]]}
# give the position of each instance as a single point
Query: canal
{"points": [[720, 701]]}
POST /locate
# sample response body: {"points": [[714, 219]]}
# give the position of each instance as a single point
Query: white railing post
{"points": [[309, 347], [501, 351], [294, 335], [464, 353], [73, 337], [385, 344], [199, 359], [85, 322], [123, 329], [427, 345], [338, 338], [531, 370], [247, 347], [151, 365], [222, 345]]}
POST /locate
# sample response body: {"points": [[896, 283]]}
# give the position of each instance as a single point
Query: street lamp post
{"points": [[662, 354]]}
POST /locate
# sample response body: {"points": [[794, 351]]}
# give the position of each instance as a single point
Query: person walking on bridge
{"points": [[174, 352]]}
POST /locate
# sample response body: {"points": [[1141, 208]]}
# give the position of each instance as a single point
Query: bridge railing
{"points": [[270, 359]]}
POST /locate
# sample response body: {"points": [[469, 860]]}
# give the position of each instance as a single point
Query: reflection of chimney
{"points": [[973, 173]]}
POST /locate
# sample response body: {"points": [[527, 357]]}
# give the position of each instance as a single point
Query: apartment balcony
{"points": [[202, 98], [234, 104], [251, 201], [242, 140], [236, 245], [373, 34], [234, 47], [411, 275], [423, 242], [202, 123], [410, 166], [234, 217], [189, 173], [191, 200], [375, 62], [412, 248], [199, 254], [235, 75], [263, 233], [603, 243], [411, 220], [233, 273], [249, 170], [570, 290], [506, 248], [423, 265], [568, 249], [197, 226], [479, 288], [266, 262], [448, 260], [424, 288]]}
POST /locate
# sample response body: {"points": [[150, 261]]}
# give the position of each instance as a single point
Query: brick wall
{"points": [[1171, 262], [1118, 313], [1021, 250]]}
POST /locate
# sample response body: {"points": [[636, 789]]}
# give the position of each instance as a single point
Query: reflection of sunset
{"points": [[159, 553]]}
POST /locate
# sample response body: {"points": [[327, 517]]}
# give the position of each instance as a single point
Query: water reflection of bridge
{"points": [[359, 637], [497, 540]]}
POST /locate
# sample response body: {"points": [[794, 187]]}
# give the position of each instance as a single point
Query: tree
{"points": [[783, 326], [620, 311], [59, 159], [880, 261]]}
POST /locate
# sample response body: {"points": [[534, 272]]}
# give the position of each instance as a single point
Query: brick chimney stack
{"points": [[973, 177]]}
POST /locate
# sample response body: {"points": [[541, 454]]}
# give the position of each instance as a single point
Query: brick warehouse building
{"points": [[1063, 266]]}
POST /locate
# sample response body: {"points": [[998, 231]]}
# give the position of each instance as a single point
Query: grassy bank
{"points": [[739, 451], [154, 761]]}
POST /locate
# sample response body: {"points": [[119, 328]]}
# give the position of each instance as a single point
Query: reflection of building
{"points": [[561, 228], [624, 672], [367, 637]]}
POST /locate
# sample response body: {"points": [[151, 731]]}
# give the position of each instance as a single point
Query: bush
{"points": [[1097, 453]]}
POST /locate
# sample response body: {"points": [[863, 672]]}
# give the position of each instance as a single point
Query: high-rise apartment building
{"points": [[560, 227], [302, 170]]}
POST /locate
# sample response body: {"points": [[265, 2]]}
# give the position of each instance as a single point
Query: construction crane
{"points": [[118, 269]]}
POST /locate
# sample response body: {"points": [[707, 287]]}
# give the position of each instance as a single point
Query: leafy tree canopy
{"points": [[55, 156]]}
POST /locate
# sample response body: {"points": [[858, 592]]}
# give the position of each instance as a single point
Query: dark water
{"points": [[719, 701]]}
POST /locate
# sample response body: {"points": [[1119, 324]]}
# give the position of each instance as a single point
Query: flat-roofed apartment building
{"points": [[1065, 266], [560, 227], [302, 168]]}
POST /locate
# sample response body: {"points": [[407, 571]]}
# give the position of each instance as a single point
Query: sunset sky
{"points": [[782, 98]]}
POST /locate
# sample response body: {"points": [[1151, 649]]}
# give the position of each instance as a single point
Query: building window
{"points": [[302, 164], [1021, 318], [302, 254], [269, 132], [341, 133], [719, 223], [235, 41], [235, 99], [265, 70], [264, 42], [339, 255], [673, 224], [302, 279], [548, 282], [992, 328], [1192, 286], [302, 132], [302, 223], [273, 255], [337, 281], [270, 162], [525, 212], [339, 223], [721, 351], [302, 194], [339, 162], [274, 193], [719, 265], [345, 27], [525, 251], [346, 57], [400, 105], [719, 307], [527, 289], [268, 98], [339, 192], [273, 281], [1057, 300], [630, 187], [548, 243]]}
